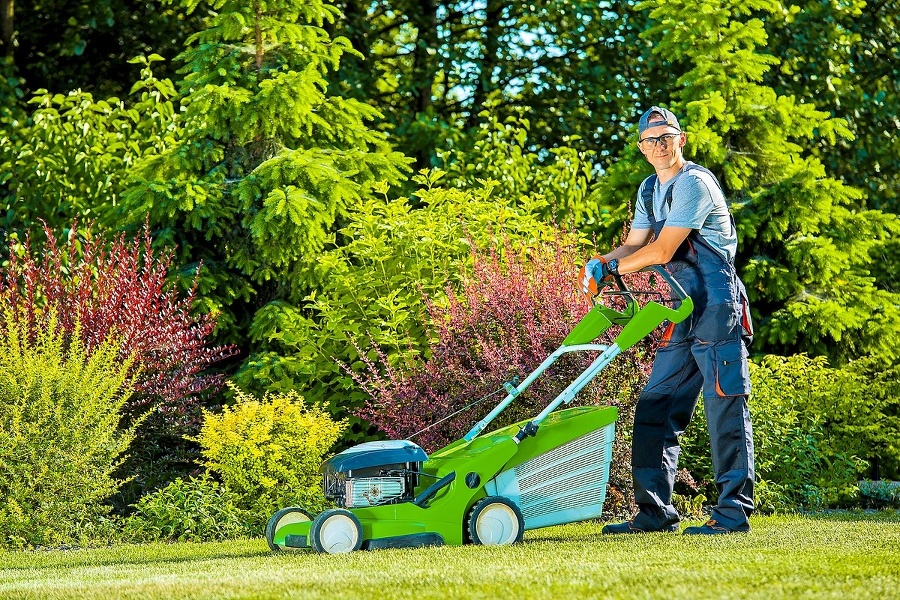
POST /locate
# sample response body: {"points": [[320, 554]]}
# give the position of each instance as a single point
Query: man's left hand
{"points": [[592, 273]]}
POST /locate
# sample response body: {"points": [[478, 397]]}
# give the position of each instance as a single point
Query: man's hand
{"points": [[592, 273]]}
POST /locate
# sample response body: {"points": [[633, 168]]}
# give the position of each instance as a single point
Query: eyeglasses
{"points": [[664, 139]]}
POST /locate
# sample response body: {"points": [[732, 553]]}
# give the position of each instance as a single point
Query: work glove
{"points": [[592, 274]]}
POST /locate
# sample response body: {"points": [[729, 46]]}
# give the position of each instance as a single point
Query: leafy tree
{"points": [[575, 68], [265, 162], [68, 45], [499, 152], [805, 251], [69, 158]]}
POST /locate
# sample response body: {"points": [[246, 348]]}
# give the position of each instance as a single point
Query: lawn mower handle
{"points": [[582, 337], [637, 324], [673, 283]]}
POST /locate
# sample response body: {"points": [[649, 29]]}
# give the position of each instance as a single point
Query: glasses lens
{"points": [[664, 140]]}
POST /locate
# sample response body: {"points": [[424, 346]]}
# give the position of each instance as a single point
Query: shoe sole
{"points": [[668, 529]]}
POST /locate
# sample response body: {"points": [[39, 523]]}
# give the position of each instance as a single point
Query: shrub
{"points": [[268, 452], [880, 494], [123, 288], [863, 416], [390, 252], [513, 310], [60, 434], [198, 509], [798, 463]]}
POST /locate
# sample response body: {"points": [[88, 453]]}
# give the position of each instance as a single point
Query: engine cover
{"points": [[375, 454], [373, 473]]}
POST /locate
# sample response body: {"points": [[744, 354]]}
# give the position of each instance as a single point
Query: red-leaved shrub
{"points": [[122, 289], [514, 309], [119, 288]]}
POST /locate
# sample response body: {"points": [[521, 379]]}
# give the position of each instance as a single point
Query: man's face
{"points": [[665, 152]]}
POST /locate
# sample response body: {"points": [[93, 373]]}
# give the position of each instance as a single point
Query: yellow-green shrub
{"points": [[60, 438], [269, 451]]}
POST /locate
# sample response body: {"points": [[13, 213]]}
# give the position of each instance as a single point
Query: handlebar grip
{"points": [[673, 283]]}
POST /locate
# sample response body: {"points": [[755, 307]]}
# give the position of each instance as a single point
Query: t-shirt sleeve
{"points": [[692, 202], [640, 221]]}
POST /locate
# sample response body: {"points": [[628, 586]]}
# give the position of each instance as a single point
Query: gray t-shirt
{"points": [[697, 203]]}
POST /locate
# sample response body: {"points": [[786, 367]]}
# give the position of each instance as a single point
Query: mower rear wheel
{"points": [[495, 521], [283, 517], [336, 531]]}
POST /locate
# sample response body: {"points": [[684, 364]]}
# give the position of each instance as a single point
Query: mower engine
{"points": [[373, 473]]}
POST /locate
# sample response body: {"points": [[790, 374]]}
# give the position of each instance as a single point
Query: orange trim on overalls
{"points": [[667, 334]]}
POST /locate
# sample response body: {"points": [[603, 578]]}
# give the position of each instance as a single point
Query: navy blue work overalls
{"points": [[705, 352]]}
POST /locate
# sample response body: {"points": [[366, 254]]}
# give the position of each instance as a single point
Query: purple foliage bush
{"points": [[515, 307], [122, 289], [118, 289]]}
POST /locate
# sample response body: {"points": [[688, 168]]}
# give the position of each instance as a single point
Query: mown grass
{"points": [[842, 555]]}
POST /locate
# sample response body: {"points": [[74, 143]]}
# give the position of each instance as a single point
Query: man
{"points": [[682, 221]]}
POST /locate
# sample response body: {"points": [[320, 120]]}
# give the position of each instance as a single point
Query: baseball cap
{"points": [[667, 119]]}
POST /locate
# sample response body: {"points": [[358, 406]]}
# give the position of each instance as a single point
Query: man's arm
{"points": [[637, 239], [636, 253]]}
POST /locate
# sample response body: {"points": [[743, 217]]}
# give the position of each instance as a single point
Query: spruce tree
{"points": [[263, 162], [805, 252]]}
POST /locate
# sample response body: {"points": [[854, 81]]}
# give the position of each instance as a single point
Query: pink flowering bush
{"points": [[121, 290], [118, 289], [515, 307]]}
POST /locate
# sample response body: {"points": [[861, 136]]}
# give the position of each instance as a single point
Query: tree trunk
{"points": [[489, 59], [7, 25], [423, 70]]}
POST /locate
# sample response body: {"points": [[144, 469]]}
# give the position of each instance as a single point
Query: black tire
{"points": [[292, 514], [336, 531], [495, 521]]}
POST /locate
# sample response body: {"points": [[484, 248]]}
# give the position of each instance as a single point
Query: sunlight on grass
{"points": [[830, 556]]}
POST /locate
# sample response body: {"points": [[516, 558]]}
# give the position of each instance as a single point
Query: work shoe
{"points": [[712, 527], [630, 527]]}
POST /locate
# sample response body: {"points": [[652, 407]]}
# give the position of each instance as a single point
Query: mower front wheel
{"points": [[336, 531], [495, 521], [281, 518]]}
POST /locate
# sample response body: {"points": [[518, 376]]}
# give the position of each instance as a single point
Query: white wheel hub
{"points": [[291, 517], [497, 525], [338, 534]]}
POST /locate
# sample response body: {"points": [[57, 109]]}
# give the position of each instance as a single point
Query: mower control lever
{"points": [[673, 283], [427, 494]]}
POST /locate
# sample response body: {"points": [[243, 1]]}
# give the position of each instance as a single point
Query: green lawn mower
{"points": [[484, 488]]}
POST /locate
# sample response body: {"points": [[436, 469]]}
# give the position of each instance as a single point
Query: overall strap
{"points": [[691, 166], [647, 198]]}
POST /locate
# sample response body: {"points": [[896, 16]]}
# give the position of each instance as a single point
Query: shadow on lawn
{"points": [[100, 557]]}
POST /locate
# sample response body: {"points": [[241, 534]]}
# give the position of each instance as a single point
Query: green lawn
{"points": [[844, 555]]}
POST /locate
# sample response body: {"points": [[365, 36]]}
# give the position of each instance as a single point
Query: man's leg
{"points": [[663, 412], [725, 393]]}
